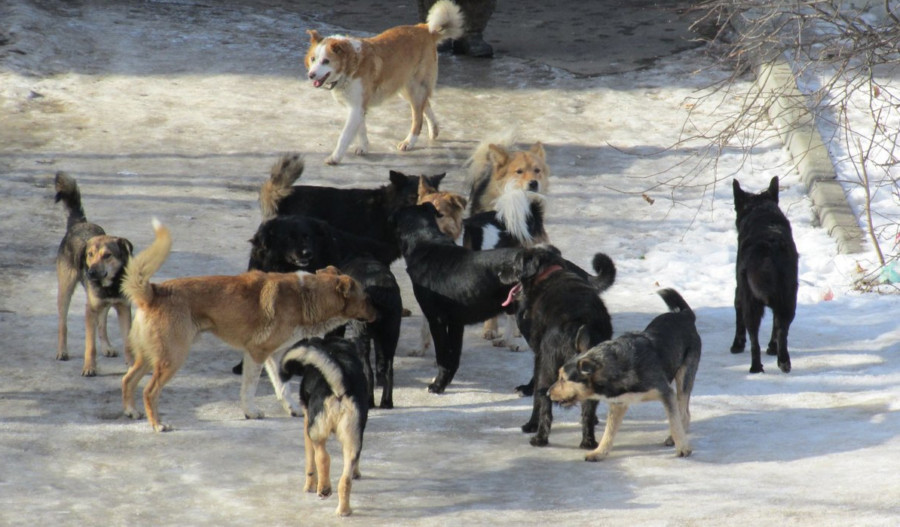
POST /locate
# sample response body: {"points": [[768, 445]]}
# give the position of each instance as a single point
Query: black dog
{"points": [[454, 286], [766, 269], [297, 243], [557, 305], [638, 367], [333, 395], [364, 212]]}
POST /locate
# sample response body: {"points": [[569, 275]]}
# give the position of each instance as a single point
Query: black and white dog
{"points": [[766, 273], [454, 286], [638, 367], [297, 243], [557, 305], [363, 212], [333, 395]]}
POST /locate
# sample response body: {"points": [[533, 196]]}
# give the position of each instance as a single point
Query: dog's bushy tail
{"points": [[305, 354], [605, 270], [285, 172], [676, 303], [136, 285], [67, 192], [445, 20], [479, 165]]}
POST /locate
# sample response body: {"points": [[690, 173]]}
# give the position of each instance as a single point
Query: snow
{"points": [[171, 112]]}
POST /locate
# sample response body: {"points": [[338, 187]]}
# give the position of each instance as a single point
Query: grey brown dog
{"points": [[637, 367], [89, 256]]}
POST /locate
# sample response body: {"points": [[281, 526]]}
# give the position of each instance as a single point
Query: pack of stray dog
{"points": [[319, 292]]}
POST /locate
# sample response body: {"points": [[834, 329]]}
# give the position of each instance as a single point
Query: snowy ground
{"points": [[167, 110]]}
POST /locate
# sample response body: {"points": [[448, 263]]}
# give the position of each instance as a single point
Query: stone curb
{"points": [[796, 127]]}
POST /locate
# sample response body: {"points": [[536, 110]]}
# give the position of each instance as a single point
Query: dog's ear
{"points": [[458, 201], [773, 189], [538, 150], [425, 188], [529, 264], [739, 195], [498, 155], [583, 339], [398, 179], [340, 47], [314, 36], [435, 180], [345, 285], [330, 270], [587, 367], [126, 247]]}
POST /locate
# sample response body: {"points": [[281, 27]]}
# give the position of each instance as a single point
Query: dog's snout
{"points": [[533, 185], [95, 273], [312, 75]]}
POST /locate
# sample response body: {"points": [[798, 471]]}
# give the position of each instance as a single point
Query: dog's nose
{"points": [[533, 185], [311, 75], [95, 274]]}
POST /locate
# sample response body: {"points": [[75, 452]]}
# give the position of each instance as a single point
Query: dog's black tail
{"points": [[676, 303], [307, 354], [67, 192], [285, 172], [605, 270]]}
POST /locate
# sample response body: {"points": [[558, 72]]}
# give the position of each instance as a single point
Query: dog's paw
{"points": [[324, 492], [684, 451], [89, 371], [331, 160], [529, 427], [525, 390], [404, 146], [491, 334], [756, 368], [62, 355], [131, 413], [110, 352], [417, 352], [310, 485], [361, 150], [343, 511], [539, 441], [593, 457], [254, 413], [436, 388], [669, 441], [785, 366], [161, 427], [588, 444]]}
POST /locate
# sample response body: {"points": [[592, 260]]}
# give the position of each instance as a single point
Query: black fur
{"points": [[474, 228], [556, 303], [766, 274], [454, 286], [298, 243], [363, 212]]}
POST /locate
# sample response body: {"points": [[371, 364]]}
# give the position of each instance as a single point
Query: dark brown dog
{"points": [[89, 256]]}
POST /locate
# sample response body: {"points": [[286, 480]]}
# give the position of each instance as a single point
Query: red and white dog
{"points": [[363, 72]]}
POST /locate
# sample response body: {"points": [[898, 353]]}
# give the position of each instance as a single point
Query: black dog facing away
{"points": [[333, 396], [556, 307], [454, 286], [766, 273], [363, 212], [297, 243], [636, 367]]}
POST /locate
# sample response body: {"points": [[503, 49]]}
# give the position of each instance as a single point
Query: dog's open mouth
{"points": [[299, 261], [318, 83], [513, 294]]}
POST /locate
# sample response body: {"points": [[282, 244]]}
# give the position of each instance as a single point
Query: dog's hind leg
{"points": [[163, 371], [447, 349], [249, 381], [362, 140], [130, 380], [351, 450], [323, 467], [753, 313], [67, 280], [123, 316], [417, 96], [310, 482], [676, 425], [781, 323], [613, 420], [431, 121], [282, 390], [740, 331]]}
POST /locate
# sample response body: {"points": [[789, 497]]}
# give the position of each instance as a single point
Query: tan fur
{"points": [[450, 208], [256, 312], [366, 71], [284, 173], [341, 419], [507, 169]]}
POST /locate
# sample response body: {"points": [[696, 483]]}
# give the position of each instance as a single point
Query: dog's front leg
{"points": [[355, 118], [106, 347], [310, 484], [282, 389], [740, 331], [447, 350], [249, 380], [613, 419], [91, 321], [123, 315]]}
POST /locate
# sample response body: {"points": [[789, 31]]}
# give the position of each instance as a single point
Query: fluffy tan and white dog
{"points": [[261, 314], [363, 72], [495, 167]]}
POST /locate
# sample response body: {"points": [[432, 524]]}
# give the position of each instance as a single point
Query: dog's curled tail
{"points": [[445, 20], [285, 172], [676, 303], [605, 270], [307, 354], [136, 285], [67, 192]]}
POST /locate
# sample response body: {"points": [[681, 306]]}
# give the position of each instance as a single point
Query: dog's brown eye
{"points": [[325, 61], [537, 170], [520, 171]]}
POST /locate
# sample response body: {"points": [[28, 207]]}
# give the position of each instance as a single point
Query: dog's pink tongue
{"points": [[515, 290], [317, 83]]}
